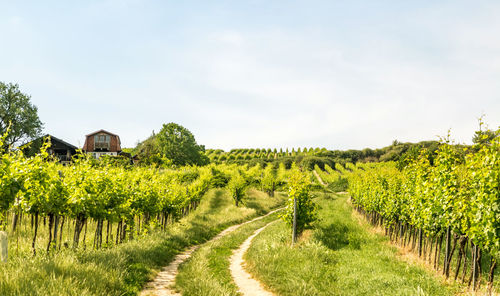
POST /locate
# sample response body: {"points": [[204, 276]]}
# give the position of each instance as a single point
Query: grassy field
{"points": [[123, 269], [341, 256]]}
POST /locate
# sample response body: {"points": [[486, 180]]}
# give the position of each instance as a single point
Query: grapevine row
{"points": [[133, 199], [451, 195]]}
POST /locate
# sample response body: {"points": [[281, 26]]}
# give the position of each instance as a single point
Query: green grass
{"points": [[340, 257], [207, 271], [124, 269]]}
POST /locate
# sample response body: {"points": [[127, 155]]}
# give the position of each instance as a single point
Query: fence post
{"points": [[294, 228], [447, 252], [474, 268], [3, 246]]}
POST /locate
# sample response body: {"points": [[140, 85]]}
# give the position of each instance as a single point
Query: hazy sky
{"points": [[334, 74]]}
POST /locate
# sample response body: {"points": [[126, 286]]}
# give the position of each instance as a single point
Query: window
{"points": [[102, 138], [102, 142]]}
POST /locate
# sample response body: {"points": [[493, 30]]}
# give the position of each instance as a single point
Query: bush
{"points": [[287, 161], [299, 189], [237, 186], [339, 185], [257, 161], [219, 179], [309, 162]]}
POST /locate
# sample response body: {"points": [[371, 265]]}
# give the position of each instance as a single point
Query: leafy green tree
{"points": [[178, 144], [18, 115], [174, 144], [148, 151], [482, 137]]}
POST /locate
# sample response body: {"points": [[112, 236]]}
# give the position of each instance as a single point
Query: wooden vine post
{"points": [[3, 246], [447, 253], [300, 210], [474, 267], [294, 226]]}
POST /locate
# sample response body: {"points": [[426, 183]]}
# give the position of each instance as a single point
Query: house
{"points": [[102, 143], [60, 149]]}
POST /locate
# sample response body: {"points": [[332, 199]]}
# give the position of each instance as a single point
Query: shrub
{"points": [[309, 162], [237, 186], [299, 189]]}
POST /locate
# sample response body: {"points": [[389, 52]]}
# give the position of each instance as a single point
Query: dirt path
{"points": [[319, 178], [161, 285], [247, 285]]}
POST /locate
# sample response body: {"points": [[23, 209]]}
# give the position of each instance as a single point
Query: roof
{"points": [[64, 142], [101, 131], [53, 138]]}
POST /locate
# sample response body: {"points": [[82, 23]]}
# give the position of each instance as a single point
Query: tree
{"points": [[18, 115], [484, 136], [178, 144], [149, 152]]}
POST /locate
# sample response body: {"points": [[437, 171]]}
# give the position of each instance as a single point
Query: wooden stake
{"points": [[3, 246], [294, 229]]}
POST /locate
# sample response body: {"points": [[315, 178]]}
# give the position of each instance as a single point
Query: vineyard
{"points": [[308, 157], [217, 155], [443, 205], [107, 204], [250, 148]]}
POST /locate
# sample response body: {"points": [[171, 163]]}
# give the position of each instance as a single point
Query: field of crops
{"points": [[61, 206], [445, 202], [443, 205], [217, 155]]}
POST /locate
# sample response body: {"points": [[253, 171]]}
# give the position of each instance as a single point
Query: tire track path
{"points": [[319, 178], [162, 284], [247, 285]]}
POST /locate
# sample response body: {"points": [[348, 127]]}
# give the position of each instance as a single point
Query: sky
{"points": [[257, 74]]}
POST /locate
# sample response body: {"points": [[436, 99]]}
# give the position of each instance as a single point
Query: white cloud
{"points": [[310, 93]]}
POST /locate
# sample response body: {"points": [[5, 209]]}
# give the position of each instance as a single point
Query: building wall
{"points": [[89, 143], [114, 145]]}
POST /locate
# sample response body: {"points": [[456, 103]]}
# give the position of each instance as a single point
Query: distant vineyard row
{"points": [[248, 154], [320, 156]]}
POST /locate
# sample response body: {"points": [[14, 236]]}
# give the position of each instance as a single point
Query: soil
{"points": [[247, 285]]}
